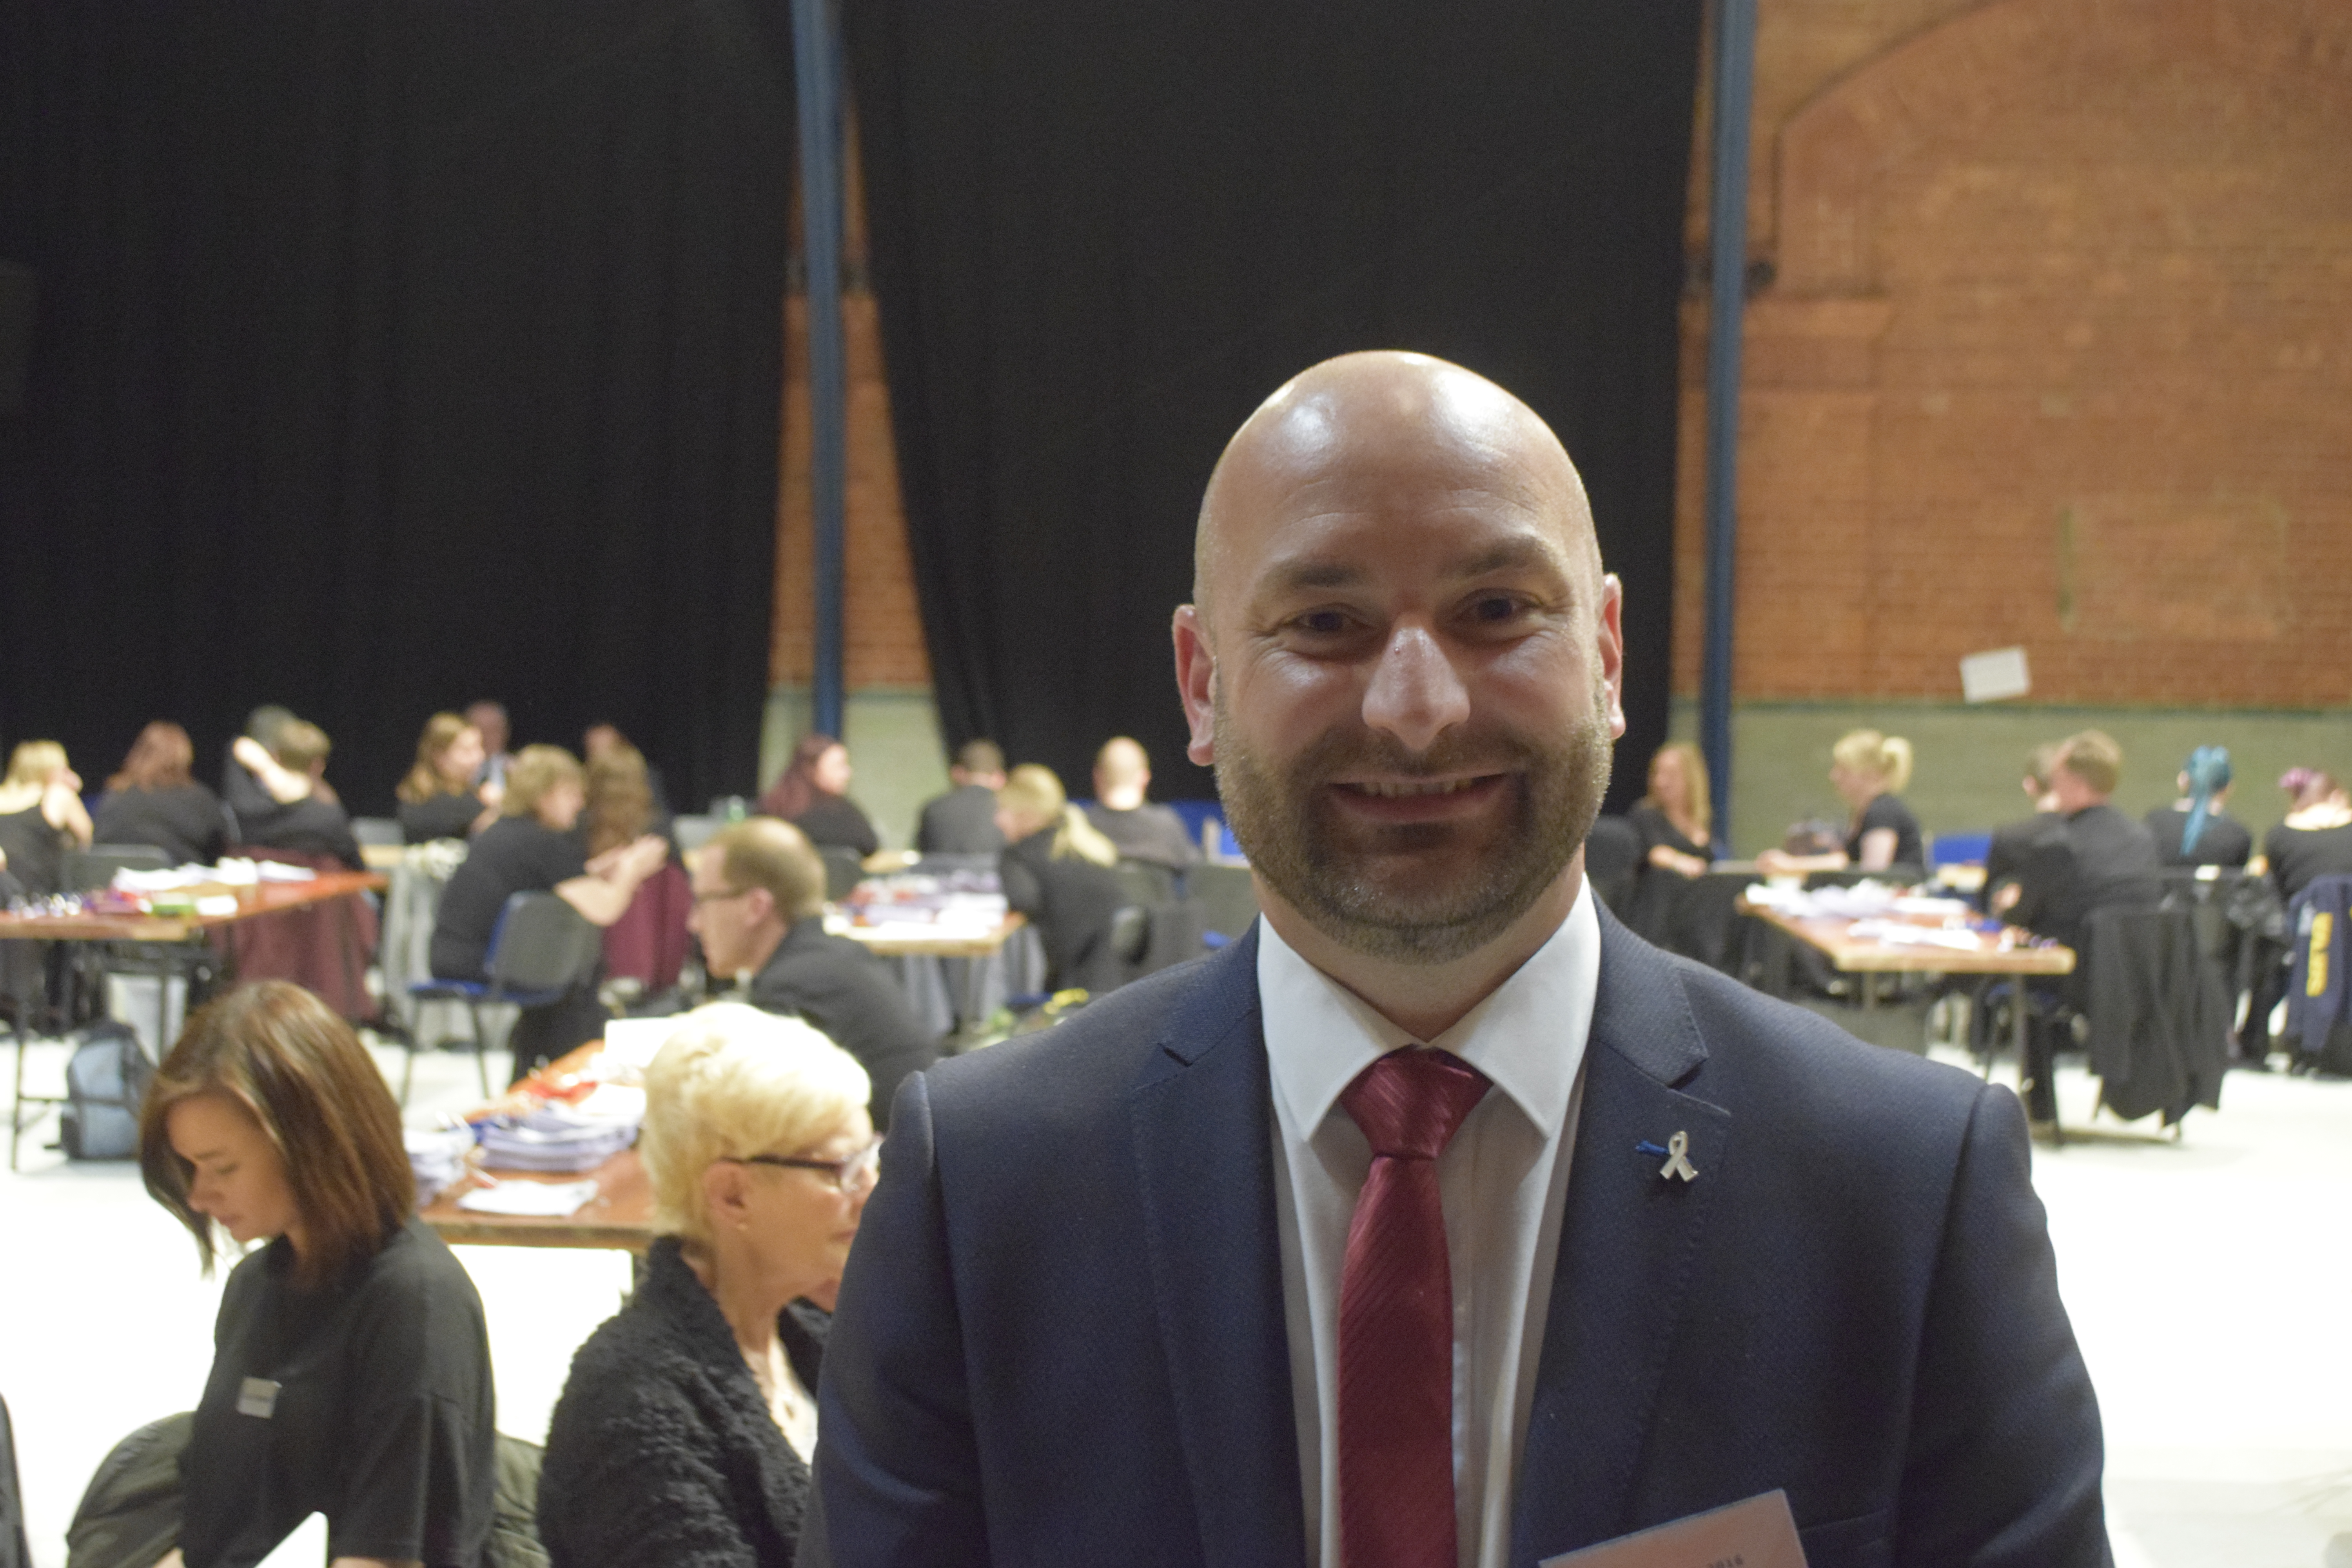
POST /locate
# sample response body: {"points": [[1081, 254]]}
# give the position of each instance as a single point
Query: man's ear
{"points": [[1196, 683], [1611, 647]]}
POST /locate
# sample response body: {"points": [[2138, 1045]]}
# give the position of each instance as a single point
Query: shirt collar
{"points": [[1528, 1037]]}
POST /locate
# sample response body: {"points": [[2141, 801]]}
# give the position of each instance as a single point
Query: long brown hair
{"points": [[1700, 803], [159, 759], [424, 782], [297, 1067], [796, 789], [620, 798]]}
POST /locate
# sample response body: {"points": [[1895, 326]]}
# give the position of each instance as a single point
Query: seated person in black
{"points": [[2193, 830], [1674, 818], [440, 797], [532, 849], [155, 800], [1057, 871], [687, 1428], [351, 1372], [1672, 824], [301, 814], [759, 901], [2104, 859], [41, 816], [2015, 843], [1141, 830], [963, 820], [1869, 771], [2316, 839], [811, 795]]}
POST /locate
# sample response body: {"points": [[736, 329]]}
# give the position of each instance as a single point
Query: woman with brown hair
{"points": [[812, 795], [155, 800], [439, 798], [351, 1370]]}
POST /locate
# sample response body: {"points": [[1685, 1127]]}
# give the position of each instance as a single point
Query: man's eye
{"points": [[1323, 623], [1496, 609]]}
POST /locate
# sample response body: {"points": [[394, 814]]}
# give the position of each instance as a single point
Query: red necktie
{"points": [[1396, 1318]]}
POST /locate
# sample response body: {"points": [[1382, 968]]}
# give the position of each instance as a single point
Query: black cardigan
{"points": [[661, 1449]]}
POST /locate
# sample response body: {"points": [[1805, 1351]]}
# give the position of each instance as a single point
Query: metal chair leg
{"points": [[481, 1048], [408, 1071]]}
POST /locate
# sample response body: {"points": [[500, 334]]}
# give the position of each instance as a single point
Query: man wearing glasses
{"points": [[1440, 1223], [758, 895]]}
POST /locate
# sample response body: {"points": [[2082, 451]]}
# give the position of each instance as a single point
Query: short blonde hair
{"points": [[537, 770], [301, 745], [36, 763], [1035, 790], [2092, 756], [732, 1082], [1886, 758], [769, 852]]}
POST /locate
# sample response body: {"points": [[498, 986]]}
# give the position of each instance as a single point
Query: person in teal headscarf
{"points": [[2194, 830]]}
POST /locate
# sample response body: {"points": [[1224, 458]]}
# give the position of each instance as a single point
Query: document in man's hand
{"points": [[1758, 1534]]}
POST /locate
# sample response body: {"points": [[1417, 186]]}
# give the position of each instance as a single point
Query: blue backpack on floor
{"points": [[106, 1083]]}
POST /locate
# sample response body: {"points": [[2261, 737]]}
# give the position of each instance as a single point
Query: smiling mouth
{"points": [[1414, 788]]}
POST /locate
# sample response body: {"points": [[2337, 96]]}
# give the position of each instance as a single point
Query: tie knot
{"points": [[1409, 1102]]}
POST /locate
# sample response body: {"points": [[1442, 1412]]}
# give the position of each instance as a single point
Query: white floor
{"points": [[2208, 1282]]}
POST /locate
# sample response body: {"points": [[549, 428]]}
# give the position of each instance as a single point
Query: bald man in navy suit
{"points": [[1700, 1245]]}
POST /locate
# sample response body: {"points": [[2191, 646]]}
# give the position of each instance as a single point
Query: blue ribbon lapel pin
{"points": [[1676, 1153]]}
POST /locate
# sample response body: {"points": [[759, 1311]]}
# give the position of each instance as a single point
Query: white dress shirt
{"points": [[1500, 1181]]}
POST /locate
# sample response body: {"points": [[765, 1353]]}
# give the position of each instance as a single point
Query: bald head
{"points": [[1363, 417]]}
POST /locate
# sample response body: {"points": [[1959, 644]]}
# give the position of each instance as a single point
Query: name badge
{"points": [[256, 1396], [1758, 1534]]}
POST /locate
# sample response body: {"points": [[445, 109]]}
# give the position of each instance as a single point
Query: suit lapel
{"points": [[1628, 1240], [1203, 1117]]}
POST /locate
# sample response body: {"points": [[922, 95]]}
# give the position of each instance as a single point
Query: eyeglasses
{"points": [[702, 898], [847, 1176]]}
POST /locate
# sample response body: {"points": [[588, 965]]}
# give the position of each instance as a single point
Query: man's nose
{"points": [[1415, 695]]}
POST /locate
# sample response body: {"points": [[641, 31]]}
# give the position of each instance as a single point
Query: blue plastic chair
{"points": [[541, 948]]}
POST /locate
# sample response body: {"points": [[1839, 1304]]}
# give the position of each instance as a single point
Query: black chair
{"points": [[88, 870], [1227, 897], [540, 949], [1612, 859], [1146, 884]]}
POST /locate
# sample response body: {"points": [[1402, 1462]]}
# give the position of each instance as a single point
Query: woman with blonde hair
{"points": [[1869, 771], [1675, 819], [686, 1426], [352, 1368], [532, 849], [155, 799], [438, 798], [1056, 870], [41, 816]]}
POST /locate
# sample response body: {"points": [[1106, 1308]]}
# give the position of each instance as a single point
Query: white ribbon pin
{"points": [[1676, 1165]]}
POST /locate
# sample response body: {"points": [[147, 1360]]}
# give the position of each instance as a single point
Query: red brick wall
{"points": [[882, 632], [2058, 351]]}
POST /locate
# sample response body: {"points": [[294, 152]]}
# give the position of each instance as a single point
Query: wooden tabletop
{"points": [[906, 942], [262, 899], [619, 1217], [2003, 953]]}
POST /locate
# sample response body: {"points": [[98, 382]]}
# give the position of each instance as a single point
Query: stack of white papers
{"points": [[437, 1158], [555, 1138]]}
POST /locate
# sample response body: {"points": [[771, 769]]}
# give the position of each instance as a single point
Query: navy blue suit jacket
{"points": [[1061, 1338]]}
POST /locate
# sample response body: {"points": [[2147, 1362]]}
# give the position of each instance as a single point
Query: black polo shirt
{"points": [[513, 854], [368, 1401]]}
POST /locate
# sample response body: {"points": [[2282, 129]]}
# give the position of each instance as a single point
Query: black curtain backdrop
{"points": [[1103, 232], [390, 355]]}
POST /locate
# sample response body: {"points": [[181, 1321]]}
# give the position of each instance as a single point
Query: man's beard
{"points": [[1420, 892]]}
